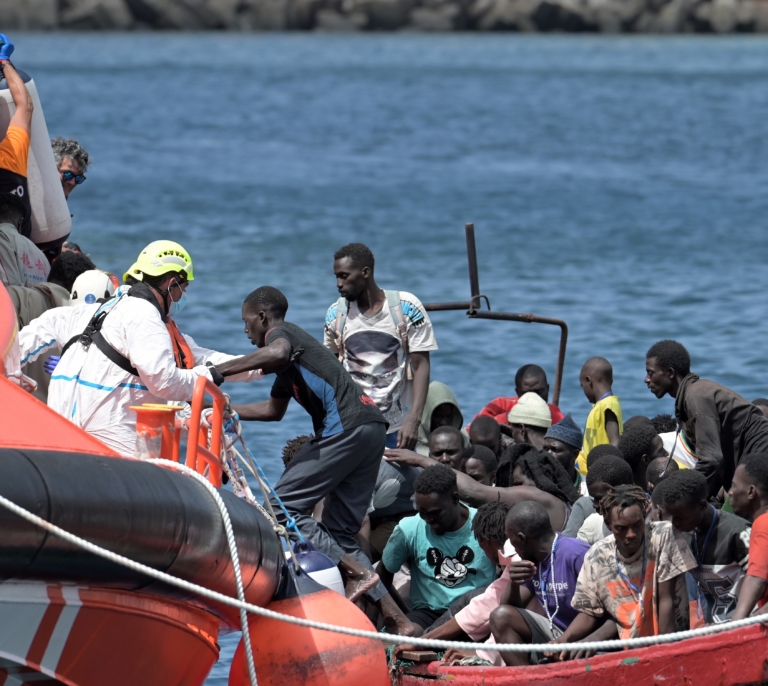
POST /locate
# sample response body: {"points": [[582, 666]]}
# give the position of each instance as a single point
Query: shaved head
{"points": [[599, 369]]}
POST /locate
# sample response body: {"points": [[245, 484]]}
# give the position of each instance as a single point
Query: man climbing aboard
{"points": [[341, 463]]}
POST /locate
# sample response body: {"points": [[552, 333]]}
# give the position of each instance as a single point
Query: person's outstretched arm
{"points": [[21, 97], [272, 410], [269, 358]]}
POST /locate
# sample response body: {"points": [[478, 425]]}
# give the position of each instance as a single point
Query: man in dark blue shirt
{"points": [[342, 462]]}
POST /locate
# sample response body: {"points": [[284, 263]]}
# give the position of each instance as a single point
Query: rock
{"points": [[187, 15], [505, 15], [29, 15], [383, 15], [109, 15], [722, 16], [761, 17], [262, 15], [331, 20], [434, 18], [563, 15]]}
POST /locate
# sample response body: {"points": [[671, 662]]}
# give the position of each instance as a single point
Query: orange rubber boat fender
{"points": [[155, 516], [290, 655]]}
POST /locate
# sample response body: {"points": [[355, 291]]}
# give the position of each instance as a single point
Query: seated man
{"points": [[530, 418], [480, 464], [658, 470], [611, 471], [564, 440], [549, 567], [445, 559], [471, 618], [487, 431], [441, 409], [639, 445], [530, 378], [635, 577], [749, 498], [446, 445], [719, 541]]}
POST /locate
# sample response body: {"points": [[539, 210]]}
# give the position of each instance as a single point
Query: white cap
{"points": [[90, 286]]}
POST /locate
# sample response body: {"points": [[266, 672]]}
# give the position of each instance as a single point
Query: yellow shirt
{"points": [[595, 433]]}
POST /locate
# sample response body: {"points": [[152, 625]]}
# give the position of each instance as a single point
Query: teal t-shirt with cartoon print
{"points": [[442, 567]]}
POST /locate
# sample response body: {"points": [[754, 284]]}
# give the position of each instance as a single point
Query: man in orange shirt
{"points": [[749, 499], [21, 262]]}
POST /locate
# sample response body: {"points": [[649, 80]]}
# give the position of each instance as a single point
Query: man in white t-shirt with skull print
{"points": [[445, 558], [383, 339]]}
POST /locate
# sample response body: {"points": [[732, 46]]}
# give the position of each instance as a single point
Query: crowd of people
{"points": [[518, 526]]}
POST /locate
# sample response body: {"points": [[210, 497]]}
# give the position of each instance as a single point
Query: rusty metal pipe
{"points": [[474, 276], [531, 319], [439, 307]]}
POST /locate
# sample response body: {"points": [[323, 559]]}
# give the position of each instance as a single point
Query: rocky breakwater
{"points": [[606, 16]]}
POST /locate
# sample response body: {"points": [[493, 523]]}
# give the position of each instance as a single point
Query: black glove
{"points": [[218, 379]]}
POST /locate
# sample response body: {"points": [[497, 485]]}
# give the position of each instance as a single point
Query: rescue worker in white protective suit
{"points": [[126, 351]]}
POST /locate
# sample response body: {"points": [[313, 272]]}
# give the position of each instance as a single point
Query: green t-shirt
{"points": [[442, 567]]}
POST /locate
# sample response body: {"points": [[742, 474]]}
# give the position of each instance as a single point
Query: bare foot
{"points": [[399, 624], [360, 584]]}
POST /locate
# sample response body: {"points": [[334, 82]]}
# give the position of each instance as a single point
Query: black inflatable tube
{"points": [[149, 514]]}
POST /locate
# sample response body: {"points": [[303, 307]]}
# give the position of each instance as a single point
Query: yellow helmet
{"points": [[161, 257]]}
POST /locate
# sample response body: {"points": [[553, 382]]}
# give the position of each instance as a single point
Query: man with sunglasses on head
{"points": [[128, 350], [72, 161], [21, 262]]}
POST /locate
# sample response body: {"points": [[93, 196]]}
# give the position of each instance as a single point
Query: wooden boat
{"points": [[731, 658]]}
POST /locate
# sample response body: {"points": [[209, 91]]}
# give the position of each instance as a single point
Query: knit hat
{"points": [[531, 410], [566, 431]]}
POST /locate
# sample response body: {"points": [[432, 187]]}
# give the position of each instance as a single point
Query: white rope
{"points": [[385, 638], [233, 552]]}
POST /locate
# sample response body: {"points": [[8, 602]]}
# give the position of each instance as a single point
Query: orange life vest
{"points": [[181, 350]]}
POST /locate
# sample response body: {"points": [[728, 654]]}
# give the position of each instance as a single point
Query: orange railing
{"points": [[158, 432], [198, 454]]}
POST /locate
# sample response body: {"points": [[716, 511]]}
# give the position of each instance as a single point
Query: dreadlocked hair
{"points": [[548, 475], [623, 497], [293, 446], [488, 522], [507, 463]]}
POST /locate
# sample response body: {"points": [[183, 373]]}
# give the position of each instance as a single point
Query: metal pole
{"points": [[474, 277]]}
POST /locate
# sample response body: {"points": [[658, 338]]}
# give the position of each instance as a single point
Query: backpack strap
{"points": [[342, 309], [395, 309]]}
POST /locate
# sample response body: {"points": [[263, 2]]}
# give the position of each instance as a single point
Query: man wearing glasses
{"points": [[72, 160]]}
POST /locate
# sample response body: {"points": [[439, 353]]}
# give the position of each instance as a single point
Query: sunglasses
{"points": [[68, 176]]}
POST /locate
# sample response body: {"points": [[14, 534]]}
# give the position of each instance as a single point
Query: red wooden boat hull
{"points": [[732, 658]]}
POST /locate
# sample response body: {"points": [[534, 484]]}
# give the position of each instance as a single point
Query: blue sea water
{"points": [[617, 183]]}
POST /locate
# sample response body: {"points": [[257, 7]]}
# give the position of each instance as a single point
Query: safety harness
{"points": [[393, 301], [92, 334]]}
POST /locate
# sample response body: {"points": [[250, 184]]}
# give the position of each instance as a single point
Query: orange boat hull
{"points": [[92, 637]]}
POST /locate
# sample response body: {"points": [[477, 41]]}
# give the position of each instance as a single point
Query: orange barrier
{"points": [[198, 454]]}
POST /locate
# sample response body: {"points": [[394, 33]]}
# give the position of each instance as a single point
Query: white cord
{"points": [[233, 551], [385, 638]]}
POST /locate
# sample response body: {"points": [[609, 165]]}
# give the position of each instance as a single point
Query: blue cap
{"points": [[566, 431]]}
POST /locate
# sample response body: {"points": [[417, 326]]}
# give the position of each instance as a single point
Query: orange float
{"points": [[290, 655]]}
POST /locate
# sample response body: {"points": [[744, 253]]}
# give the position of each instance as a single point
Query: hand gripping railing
{"points": [[198, 454]]}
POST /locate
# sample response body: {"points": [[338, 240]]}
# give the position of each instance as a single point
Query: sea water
{"points": [[617, 183]]}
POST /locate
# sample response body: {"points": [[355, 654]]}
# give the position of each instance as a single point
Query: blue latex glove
{"points": [[6, 49], [50, 364]]}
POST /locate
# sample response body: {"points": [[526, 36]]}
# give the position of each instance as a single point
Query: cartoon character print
{"points": [[451, 571]]}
